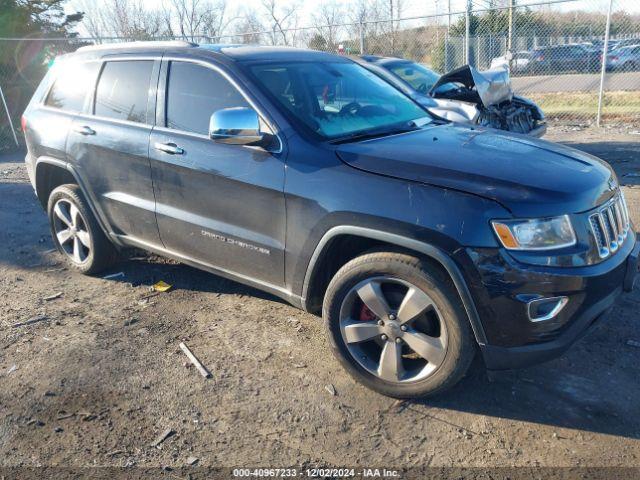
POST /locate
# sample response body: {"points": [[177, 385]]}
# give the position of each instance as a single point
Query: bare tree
{"points": [[122, 18], [329, 14], [93, 20], [396, 8], [135, 19], [280, 19], [370, 16], [217, 20], [248, 27], [195, 18]]}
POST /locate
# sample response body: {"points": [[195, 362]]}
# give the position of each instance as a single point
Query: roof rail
{"points": [[139, 44]]}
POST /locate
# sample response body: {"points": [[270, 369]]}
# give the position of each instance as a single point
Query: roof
{"points": [[235, 52], [217, 47], [564, 45], [137, 45], [254, 53], [628, 48]]}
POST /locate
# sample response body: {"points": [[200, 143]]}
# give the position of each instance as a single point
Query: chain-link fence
{"points": [[555, 50]]}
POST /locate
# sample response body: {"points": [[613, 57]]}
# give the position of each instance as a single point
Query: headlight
{"points": [[536, 234]]}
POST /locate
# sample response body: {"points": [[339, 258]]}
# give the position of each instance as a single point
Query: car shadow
{"points": [[142, 269], [569, 392], [16, 156], [593, 387]]}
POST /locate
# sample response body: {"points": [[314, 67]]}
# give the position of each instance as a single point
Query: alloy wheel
{"points": [[393, 329], [71, 231]]}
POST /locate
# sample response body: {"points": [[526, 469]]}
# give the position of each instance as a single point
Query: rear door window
{"points": [[123, 90], [71, 85], [194, 93]]}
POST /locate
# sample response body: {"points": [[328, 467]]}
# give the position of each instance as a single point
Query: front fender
{"points": [[423, 248]]}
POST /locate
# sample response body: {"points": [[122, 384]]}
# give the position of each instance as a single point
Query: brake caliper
{"points": [[366, 315]]}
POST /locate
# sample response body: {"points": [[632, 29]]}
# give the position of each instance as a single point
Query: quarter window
{"points": [[123, 90], [70, 88], [194, 93]]}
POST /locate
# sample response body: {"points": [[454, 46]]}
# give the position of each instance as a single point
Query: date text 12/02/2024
{"points": [[317, 472]]}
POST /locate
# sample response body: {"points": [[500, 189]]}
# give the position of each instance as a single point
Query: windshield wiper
{"points": [[377, 132]]}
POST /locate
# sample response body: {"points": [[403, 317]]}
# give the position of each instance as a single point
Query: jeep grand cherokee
{"points": [[303, 174]]}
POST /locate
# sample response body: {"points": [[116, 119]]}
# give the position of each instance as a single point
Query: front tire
{"points": [[397, 325], [76, 233]]}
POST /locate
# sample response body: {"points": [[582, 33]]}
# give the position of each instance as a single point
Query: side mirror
{"points": [[235, 126]]}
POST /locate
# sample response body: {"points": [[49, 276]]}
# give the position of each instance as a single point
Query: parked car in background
{"points": [[519, 62], [564, 58], [627, 42], [463, 95], [624, 59]]}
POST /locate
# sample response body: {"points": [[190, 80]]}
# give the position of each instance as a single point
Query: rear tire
{"points": [[397, 325], [76, 233]]}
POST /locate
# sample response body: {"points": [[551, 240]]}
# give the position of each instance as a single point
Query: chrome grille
{"points": [[610, 225]]}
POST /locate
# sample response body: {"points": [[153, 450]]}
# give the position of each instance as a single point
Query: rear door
{"points": [[51, 116], [109, 145], [221, 205]]}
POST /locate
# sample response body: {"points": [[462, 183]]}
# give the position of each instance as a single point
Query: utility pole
{"points": [[603, 68], [6, 109], [467, 40], [393, 33], [437, 25], [510, 36], [446, 39]]}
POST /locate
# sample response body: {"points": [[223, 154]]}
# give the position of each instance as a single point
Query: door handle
{"points": [[84, 130], [170, 148]]}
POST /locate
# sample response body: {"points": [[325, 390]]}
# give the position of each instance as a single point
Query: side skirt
{"points": [[279, 292]]}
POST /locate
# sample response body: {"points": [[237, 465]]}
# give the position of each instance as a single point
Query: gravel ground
{"points": [[97, 381]]}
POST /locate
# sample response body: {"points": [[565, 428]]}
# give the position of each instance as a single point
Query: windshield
{"points": [[418, 77], [337, 99]]}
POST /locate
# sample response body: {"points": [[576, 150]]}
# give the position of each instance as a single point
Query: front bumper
{"points": [[501, 286]]}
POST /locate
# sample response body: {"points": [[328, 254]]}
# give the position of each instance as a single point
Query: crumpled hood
{"points": [[493, 86], [530, 177]]}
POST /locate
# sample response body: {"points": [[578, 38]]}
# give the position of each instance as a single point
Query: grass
{"points": [[618, 105]]}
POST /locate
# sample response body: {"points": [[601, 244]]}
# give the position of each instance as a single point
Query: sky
{"points": [[417, 8]]}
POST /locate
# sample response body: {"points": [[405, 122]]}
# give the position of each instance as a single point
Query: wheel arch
{"points": [[374, 238], [50, 173]]}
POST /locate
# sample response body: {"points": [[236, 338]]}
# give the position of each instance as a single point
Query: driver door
{"points": [[220, 205]]}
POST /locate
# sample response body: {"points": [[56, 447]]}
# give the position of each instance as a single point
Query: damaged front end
{"points": [[490, 93]]}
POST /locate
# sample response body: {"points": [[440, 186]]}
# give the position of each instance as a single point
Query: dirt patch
{"points": [[100, 379]]}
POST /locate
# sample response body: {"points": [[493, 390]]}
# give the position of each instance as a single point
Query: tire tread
{"points": [[371, 263], [104, 253]]}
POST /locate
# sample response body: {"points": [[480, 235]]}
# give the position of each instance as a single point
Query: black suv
{"points": [[303, 174]]}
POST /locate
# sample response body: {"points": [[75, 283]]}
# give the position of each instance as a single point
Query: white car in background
{"points": [[463, 95], [520, 62]]}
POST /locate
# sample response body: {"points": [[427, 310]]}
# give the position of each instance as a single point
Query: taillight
{"points": [[23, 123]]}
